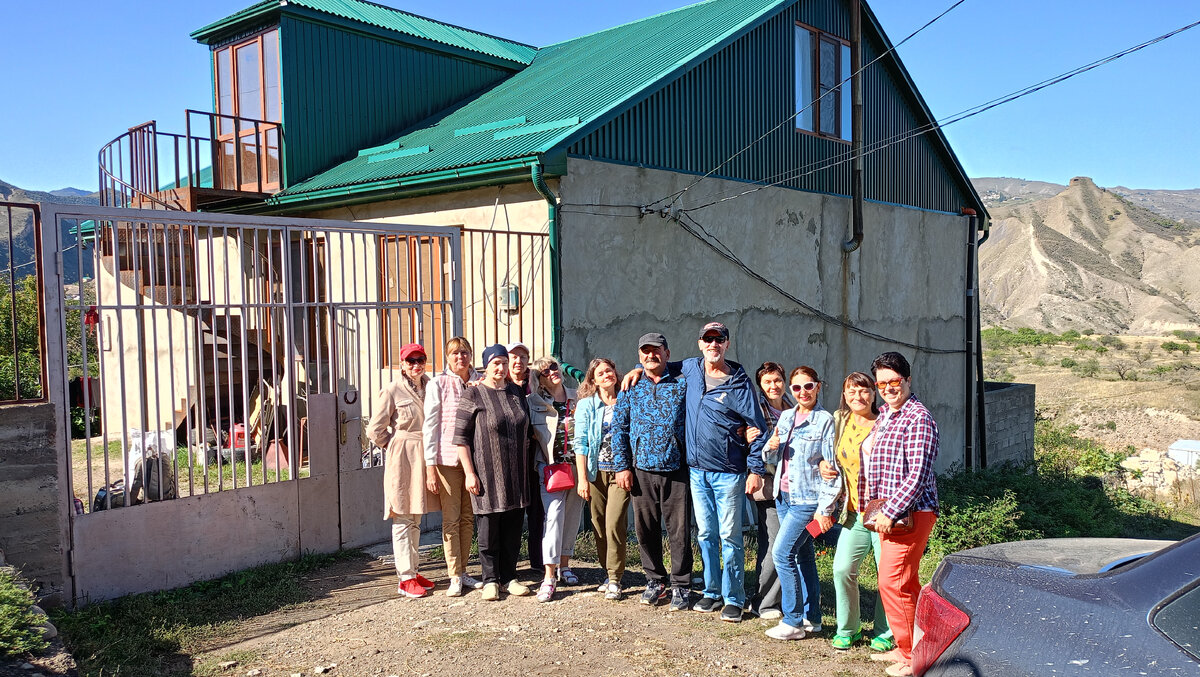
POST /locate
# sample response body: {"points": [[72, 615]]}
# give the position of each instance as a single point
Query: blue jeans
{"points": [[717, 498], [796, 564]]}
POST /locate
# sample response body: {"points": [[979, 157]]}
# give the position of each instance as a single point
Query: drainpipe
{"points": [[970, 339], [539, 183], [981, 420], [856, 122]]}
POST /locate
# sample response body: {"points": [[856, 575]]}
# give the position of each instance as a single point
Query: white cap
{"points": [[512, 346]]}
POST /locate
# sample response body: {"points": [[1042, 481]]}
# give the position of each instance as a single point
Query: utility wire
{"points": [[674, 197], [878, 145], [720, 248]]}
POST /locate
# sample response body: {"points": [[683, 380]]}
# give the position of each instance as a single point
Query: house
{"points": [[695, 165]]}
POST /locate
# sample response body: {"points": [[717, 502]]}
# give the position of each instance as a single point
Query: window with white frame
{"points": [[822, 101]]}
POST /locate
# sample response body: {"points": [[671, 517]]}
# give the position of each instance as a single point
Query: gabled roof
{"points": [[567, 88], [387, 18]]}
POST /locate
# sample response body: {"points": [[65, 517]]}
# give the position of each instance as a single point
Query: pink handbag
{"points": [[558, 477]]}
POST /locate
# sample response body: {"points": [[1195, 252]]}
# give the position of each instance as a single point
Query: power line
{"points": [[678, 194], [881, 144], [720, 248]]}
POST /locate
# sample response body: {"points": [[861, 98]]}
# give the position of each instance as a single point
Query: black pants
{"points": [[658, 497], [499, 544], [535, 515]]}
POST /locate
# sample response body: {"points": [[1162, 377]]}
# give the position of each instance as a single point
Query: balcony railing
{"points": [[217, 157]]}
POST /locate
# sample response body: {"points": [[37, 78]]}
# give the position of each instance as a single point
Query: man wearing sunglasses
{"points": [[721, 405]]}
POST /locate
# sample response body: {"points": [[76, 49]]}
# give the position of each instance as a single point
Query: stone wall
{"points": [[1010, 416], [30, 515]]}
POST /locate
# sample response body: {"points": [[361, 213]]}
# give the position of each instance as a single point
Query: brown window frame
{"points": [[819, 36], [269, 111]]}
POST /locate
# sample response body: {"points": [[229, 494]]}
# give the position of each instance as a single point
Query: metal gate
{"points": [[219, 370]]}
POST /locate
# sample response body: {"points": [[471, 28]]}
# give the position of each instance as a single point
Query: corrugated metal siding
{"points": [[345, 91], [729, 100]]}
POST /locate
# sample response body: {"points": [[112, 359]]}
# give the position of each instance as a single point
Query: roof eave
{"points": [[441, 181], [232, 24]]}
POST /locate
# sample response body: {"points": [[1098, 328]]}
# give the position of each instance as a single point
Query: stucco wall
{"points": [[30, 515], [511, 207], [1010, 414], [623, 276]]}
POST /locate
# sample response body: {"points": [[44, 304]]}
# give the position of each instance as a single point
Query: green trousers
{"points": [[852, 546]]}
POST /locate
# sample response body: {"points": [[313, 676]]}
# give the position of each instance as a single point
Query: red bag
{"points": [[558, 477]]}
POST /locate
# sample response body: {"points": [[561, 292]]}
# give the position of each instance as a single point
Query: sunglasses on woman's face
{"points": [[550, 369], [415, 360], [894, 383], [800, 387]]}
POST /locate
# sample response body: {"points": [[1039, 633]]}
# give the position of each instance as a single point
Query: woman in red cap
{"points": [[396, 427]]}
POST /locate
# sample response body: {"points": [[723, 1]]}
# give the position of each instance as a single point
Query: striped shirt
{"points": [[900, 465]]}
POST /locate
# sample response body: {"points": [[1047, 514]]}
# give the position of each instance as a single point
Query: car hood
{"points": [[1073, 555]]}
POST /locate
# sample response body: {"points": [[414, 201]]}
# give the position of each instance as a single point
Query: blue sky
{"points": [[81, 72]]}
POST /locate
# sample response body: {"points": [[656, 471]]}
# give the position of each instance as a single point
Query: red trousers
{"points": [[899, 584]]}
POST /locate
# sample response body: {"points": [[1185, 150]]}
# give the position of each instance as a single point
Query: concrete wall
{"points": [[623, 276], [1010, 416], [31, 519]]}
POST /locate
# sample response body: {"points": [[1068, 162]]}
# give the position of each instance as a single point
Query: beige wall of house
{"points": [[489, 260], [626, 276]]}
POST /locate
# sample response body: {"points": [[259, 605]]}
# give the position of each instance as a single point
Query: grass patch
{"points": [[19, 634], [154, 633]]}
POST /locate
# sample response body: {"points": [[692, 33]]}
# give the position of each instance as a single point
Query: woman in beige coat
{"points": [[396, 427]]}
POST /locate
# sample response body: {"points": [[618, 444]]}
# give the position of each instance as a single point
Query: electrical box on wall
{"points": [[510, 299]]}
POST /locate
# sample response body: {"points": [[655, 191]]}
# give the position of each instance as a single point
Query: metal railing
{"points": [[22, 327], [142, 167], [506, 288]]}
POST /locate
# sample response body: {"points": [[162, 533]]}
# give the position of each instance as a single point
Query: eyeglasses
{"points": [[895, 383], [714, 339], [799, 387], [415, 360], [550, 369]]}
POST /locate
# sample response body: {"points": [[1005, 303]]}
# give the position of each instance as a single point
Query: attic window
{"points": [[822, 64]]}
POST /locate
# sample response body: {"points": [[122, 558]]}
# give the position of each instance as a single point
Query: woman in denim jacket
{"points": [[803, 438]]}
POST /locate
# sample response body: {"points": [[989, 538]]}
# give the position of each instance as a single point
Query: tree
{"points": [[28, 355], [1124, 370]]}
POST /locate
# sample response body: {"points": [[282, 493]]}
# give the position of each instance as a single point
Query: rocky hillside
{"points": [[1084, 257], [22, 233]]}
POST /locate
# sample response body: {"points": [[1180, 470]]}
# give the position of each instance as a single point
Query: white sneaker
{"points": [[785, 632], [612, 591], [456, 587], [470, 581], [770, 614], [603, 587], [810, 628]]}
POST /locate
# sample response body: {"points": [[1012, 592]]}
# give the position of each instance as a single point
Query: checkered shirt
{"points": [[900, 468]]}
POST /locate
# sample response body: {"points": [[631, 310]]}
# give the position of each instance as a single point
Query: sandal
{"points": [[545, 592], [844, 642], [567, 576]]}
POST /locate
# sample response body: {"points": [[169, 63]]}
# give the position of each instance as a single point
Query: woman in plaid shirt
{"points": [[898, 458]]}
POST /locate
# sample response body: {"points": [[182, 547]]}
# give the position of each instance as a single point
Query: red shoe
{"points": [[411, 588], [424, 582]]}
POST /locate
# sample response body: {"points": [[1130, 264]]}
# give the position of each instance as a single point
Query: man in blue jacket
{"points": [[721, 405]]}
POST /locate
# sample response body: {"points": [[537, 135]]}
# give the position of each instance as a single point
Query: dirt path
{"points": [[357, 622]]}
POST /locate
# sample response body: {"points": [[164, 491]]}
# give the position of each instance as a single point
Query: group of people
{"points": [[684, 442]]}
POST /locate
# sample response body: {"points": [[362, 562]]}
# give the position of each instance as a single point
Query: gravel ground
{"points": [[358, 626]]}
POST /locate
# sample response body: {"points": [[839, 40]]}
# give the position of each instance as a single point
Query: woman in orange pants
{"points": [[898, 458]]}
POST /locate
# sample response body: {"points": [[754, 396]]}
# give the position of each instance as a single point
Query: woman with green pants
{"points": [[854, 419]]}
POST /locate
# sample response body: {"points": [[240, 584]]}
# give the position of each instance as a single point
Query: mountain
{"points": [[22, 232], [1086, 257]]}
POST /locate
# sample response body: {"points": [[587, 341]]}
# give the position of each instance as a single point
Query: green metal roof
{"points": [[568, 89], [386, 18]]}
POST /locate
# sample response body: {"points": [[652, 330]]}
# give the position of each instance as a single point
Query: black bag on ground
{"points": [[113, 494]]}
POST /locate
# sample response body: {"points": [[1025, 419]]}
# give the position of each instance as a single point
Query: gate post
{"points": [[320, 528]]}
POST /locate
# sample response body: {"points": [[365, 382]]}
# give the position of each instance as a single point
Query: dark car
{"points": [[1069, 606]]}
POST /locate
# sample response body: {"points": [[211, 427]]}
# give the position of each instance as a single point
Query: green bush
{"points": [[19, 633], [970, 520], [1172, 346], [1089, 368], [1068, 363], [1071, 335], [1112, 342]]}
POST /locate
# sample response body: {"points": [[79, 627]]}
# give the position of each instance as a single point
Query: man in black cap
{"points": [[648, 437]]}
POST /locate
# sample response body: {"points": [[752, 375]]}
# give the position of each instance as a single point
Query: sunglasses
{"points": [[895, 383], [714, 339], [550, 369], [415, 360], [801, 387]]}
